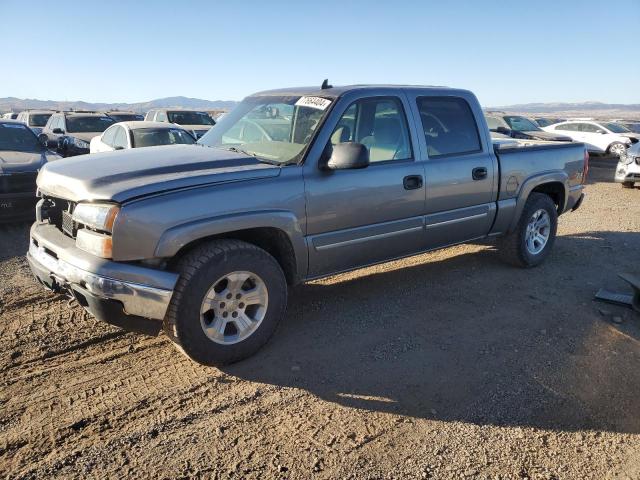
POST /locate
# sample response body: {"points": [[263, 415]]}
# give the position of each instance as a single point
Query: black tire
{"points": [[628, 184], [513, 247], [199, 270]]}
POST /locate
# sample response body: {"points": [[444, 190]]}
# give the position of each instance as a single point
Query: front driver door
{"points": [[359, 217]]}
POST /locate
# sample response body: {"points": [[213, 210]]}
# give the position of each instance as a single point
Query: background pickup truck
{"points": [[292, 185]]}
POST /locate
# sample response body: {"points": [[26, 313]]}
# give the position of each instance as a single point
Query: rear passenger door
{"points": [[460, 169]]}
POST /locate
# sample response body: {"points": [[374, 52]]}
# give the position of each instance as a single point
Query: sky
{"points": [[507, 52]]}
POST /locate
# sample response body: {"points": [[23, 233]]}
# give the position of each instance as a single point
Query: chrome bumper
{"points": [[137, 299]]}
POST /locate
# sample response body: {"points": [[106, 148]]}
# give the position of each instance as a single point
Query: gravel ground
{"points": [[444, 365]]}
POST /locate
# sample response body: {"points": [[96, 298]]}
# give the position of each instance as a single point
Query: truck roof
{"points": [[335, 92]]}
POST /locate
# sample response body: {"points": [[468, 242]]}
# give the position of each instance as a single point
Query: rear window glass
{"points": [[149, 137], [88, 124], [38, 119], [190, 118], [449, 126]]}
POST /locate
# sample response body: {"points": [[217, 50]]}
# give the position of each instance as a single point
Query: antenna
{"points": [[325, 84]]}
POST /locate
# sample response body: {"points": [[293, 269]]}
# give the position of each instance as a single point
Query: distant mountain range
{"points": [[597, 109], [13, 104], [555, 107]]}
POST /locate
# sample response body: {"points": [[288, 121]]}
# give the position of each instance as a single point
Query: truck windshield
{"points": [[273, 128], [17, 138], [190, 118], [520, 124], [88, 124]]}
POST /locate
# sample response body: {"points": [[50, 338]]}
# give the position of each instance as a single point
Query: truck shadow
{"points": [[459, 336]]}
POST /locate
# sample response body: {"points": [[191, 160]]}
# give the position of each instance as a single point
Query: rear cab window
{"points": [[449, 126]]}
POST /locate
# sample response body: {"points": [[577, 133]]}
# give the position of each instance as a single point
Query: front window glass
{"points": [[88, 124], [520, 124], [149, 137], [17, 137], [190, 118], [617, 128], [38, 119], [272, 128], [377, 123]]}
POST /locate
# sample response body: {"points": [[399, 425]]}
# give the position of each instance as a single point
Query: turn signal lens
{"points": [[98, 244]]}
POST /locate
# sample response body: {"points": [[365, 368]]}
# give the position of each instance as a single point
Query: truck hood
{"points": [[19, 162], [126, 174]]}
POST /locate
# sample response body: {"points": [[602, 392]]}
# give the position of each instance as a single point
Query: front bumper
{"points": [[627, 173], [123, 294]]}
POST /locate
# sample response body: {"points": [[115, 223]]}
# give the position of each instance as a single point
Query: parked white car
{"points": [[628, 169], [599, 137], [124, 135]]}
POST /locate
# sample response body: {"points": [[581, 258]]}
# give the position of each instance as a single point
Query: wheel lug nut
{"points": [[239, 295], [222, 305], [225, 314], [229, 296], [241, 305], [234, 314]]}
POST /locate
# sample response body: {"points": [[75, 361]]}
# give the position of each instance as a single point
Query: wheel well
{"points": [[555, 190], [273, 240]]}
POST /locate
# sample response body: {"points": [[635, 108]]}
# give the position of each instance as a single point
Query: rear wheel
{"points": [[530, 243], [617, 149], [628, 184], [227, 303]]}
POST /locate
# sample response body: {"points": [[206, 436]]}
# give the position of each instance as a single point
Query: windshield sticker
{"points": [[314, 102]]}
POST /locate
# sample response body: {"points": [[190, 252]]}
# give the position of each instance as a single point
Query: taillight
{"points": [[586, 166]]}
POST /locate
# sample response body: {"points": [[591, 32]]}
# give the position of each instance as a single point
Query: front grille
{"points": [[18, 182], [58, 212]]}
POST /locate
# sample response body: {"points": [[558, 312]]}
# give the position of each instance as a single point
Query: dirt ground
{"points": [[445, 365]]}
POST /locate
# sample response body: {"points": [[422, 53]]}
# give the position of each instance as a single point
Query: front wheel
{"points": [[227, 303], [617, 149], [628, 184], [530, 243]]}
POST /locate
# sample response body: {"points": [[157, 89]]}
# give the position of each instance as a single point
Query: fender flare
{"points": [[529, 184], [177, 237]]}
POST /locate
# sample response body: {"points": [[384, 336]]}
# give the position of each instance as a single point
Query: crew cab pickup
{"points": [[202, 240]]}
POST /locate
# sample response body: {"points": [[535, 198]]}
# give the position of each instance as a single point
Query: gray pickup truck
{"points": [[203, 240]]}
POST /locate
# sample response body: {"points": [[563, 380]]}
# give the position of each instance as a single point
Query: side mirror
{"points": [[119, 147], [347, 156], [601, 131], [58, 131]]}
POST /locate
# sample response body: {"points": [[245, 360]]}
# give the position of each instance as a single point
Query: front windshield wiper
{"points": [[251, 154]]}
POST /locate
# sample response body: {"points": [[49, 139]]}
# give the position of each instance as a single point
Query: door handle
{"points": [[411, 182], [479, 173]]}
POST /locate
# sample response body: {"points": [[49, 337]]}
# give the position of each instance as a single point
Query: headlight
{"points": [[79, 143], [98, 216], [625, 158]]}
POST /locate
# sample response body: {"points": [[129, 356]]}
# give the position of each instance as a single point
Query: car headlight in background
{"points": [[79, 143], [625, 158], [100, 217]]}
